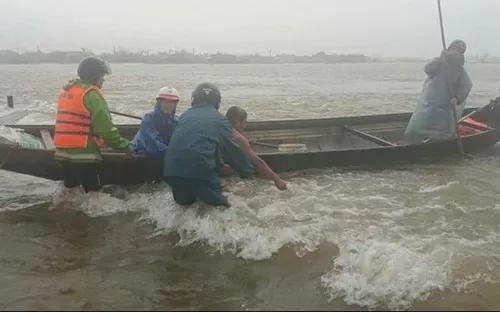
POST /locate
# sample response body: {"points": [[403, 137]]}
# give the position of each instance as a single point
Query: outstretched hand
{"points": [[226, 170], [280, 184], [130, 153], [443, 55]]}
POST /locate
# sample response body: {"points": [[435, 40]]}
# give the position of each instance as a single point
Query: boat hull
{"points": [[330, 145]]}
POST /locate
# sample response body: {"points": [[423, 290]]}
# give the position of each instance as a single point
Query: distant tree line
{"points": [[174, 57]]}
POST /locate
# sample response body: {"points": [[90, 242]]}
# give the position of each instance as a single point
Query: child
{"points": [[238, 118]]}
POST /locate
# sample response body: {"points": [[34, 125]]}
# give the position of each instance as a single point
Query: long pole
{"points": [[126, 115], [453, 108]]}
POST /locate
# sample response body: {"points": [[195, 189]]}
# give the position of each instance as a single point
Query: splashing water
{"points": [[384, 261], [403, 238], [382, 274]]}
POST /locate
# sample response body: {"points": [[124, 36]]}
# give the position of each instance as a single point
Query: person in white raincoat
{"points": [[447, 84]]}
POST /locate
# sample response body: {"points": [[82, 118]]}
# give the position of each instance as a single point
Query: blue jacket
{"points": [[155, 133], [201, 139]]}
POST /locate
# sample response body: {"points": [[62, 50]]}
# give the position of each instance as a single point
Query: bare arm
{"points": [[261, 168]]}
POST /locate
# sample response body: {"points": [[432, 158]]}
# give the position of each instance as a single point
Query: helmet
{"points": [[458, 45], [168, 94], [92, 68], [206, 93]]}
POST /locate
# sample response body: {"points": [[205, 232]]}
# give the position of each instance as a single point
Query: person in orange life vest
{"points": [[83, 124], [237, 116]]}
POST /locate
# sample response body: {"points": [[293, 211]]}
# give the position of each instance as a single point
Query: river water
{"points": [[409, 237]]}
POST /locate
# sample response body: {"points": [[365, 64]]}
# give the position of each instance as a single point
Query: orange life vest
{"points": [[73, 121]]}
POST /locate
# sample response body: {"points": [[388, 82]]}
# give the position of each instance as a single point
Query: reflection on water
{"points": [[418, 237]]}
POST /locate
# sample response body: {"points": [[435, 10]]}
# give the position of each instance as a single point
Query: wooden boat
{"points": [[346, 141]]}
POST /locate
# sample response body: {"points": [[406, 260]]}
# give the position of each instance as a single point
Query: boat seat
{"points": [[369, 137], [47, 139]]}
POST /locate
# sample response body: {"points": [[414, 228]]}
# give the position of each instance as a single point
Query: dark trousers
{"points": [[86, 175], [186, 191]]}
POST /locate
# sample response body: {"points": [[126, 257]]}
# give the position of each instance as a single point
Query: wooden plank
{"points": [[369, 137], [264, 144], [47, 139]]}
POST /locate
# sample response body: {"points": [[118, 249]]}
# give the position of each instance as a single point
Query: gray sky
{"points": [[372, 27]]}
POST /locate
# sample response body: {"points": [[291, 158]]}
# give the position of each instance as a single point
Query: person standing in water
{"points": [[199, 148], [157, 126], [237, 116], [83, 125], [447, 84]]}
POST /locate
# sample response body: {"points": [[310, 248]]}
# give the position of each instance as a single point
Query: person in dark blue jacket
{"points": [[201, 147], [157, 126]]}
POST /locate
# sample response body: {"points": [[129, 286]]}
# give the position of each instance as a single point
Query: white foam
{"points": [[385, 260], [464, 284], [40, 112], [381, 274], [93, 204], [437, 188], [245, 230]]}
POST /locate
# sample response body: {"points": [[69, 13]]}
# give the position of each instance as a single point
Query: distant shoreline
{"points": [[175, 57], [183, 57], [281, 63]]}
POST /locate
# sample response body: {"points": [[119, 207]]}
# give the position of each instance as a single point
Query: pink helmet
{"points": [[168, 94]]}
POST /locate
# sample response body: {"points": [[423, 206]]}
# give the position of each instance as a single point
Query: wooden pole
{"points": [[443, 40], [453, 108], [126, 115], [10, 101]]}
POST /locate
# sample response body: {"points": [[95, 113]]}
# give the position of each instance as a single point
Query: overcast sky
{"points": [[372, 27]]}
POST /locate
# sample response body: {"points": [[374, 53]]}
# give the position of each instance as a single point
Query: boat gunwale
{"points": [[289, 123], [465, 137]]}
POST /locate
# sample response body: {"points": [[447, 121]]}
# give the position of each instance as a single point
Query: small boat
{"points": [[285, 145]]}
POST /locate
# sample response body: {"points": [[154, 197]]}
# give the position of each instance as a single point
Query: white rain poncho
{"points": [[432, 119]]}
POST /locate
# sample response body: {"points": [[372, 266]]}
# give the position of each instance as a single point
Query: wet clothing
{"points": [[101, 125], [155, 133], [81, 164], [186, 191], [86, 175], [433, 119], [72, 128], [202, 141]]}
